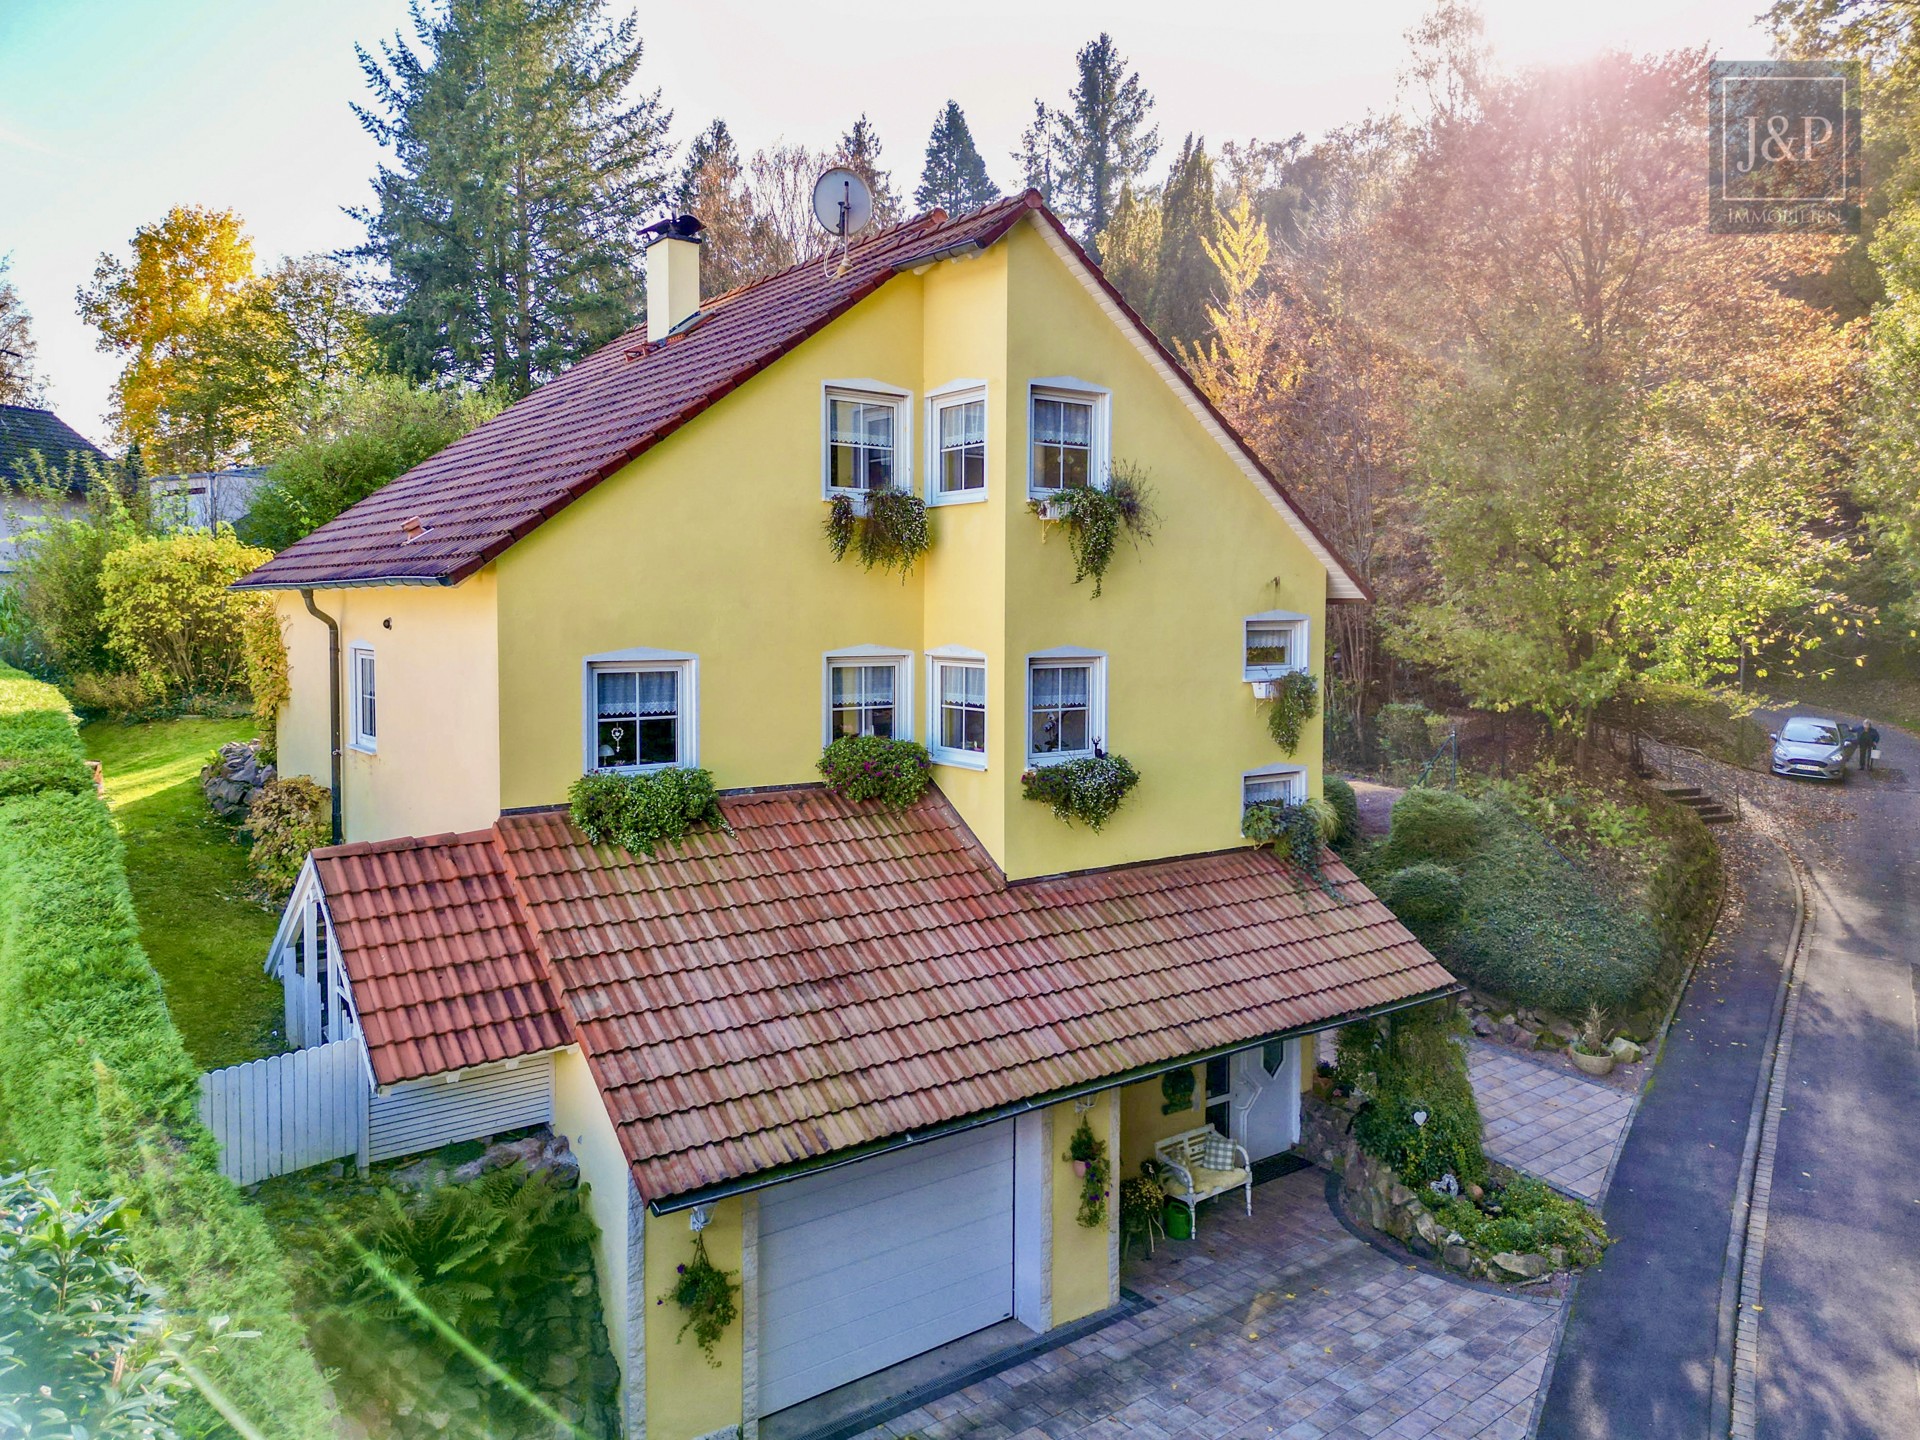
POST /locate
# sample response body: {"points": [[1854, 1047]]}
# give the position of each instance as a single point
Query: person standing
{"points": [[1869, 737]]}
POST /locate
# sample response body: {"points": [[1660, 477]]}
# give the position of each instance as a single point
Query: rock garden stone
{"points": [[1624, 1050], [233, 778]]}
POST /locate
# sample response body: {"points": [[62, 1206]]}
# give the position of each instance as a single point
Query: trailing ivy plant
{"points": [[706, 1293], [1296, 831], [1089, 789], [892, 535], [1088, 1152], [1096, 519], [1295, 701], [868, 767], [639, 813]]}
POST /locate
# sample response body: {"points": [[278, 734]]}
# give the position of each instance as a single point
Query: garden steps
{"points": [[1710, 810]]}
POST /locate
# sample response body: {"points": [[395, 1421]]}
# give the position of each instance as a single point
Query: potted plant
{"points": [[884, 529], [1291, 700], [1589, 1048], [1095, 520], [1088, 1153], [1088, 789]]}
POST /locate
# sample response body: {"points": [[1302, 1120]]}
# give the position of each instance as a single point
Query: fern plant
{"points": [[1095, 520], [892, 534]]}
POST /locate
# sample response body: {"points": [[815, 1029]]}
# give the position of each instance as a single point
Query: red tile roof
{"points": [[828, 975], [449, 516], [445, 973]]}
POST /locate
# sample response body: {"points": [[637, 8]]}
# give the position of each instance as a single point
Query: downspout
{"points": [[333, 701]]}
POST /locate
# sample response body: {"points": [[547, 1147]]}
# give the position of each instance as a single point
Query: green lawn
{"points": [[191, 885]]}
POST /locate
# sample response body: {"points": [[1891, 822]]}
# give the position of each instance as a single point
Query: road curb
{"points": [[1736, 1348]]}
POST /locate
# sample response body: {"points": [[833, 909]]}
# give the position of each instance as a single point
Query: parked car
{"points": [[1815, 748]]}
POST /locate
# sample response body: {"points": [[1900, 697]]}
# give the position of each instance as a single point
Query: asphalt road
{"points": [[1840, 1286], [1636, 1359], [1839, 1335]]}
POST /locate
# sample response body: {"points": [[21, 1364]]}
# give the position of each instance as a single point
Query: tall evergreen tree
{"points": [[1035, 155], [1189, 226], [521, 174], [1130, 247], [1101, 140], [860, 152], [954, 176], [715, 143]]}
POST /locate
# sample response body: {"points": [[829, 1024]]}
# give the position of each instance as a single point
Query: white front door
{"points": [[1265, 1111], [867, 1265]]}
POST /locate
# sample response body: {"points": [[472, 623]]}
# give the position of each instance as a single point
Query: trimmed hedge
{"points": [[1430, 824], [96, 1086], [1426, 896]]}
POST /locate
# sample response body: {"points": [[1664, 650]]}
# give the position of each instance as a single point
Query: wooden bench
{"points": [[1186, 1177]]}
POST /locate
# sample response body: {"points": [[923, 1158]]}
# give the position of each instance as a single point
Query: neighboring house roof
{"points": [[822, 976], [445, 975], [25, 429], [498, 483]]}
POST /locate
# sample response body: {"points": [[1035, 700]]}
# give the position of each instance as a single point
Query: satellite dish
{"points": [[842, 203]]}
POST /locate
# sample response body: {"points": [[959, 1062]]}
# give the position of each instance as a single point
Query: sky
{"points": [[113, 110]]}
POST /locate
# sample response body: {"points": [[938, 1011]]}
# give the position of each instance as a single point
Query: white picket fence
{"points": [[287, 1112]]}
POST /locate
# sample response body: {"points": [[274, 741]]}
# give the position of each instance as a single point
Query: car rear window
{"points": [[1811, 732]]}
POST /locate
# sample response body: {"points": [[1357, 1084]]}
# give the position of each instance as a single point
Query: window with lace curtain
{"points": [[865, 449], [960, 446], [959, 729], [1064, 704], [1067, 434], [640, 716]]}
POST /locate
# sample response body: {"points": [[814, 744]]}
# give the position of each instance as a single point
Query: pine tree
{"points": [[1189, 227], [1035, 155], [1102, 139], [713, 144], [1131, 247], [954, 176], [522, 171], [860, 152]]}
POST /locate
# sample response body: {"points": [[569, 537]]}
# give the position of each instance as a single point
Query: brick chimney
{"points": [[673, 273]]}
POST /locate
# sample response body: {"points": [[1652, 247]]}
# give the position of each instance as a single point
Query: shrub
{"points": [[640, 813], [115, 694], [1089, 789], [1539, 930], [170, 614], [96, 1086], [506, 1263], [1413, 1065], [1405, 729], [1346, 809], [891, 535], [1427, 897], [59, 575], [868, 767], [84, 1348], [380, 427], [1432, 824], [1292, 706], [1524, 1216], [287, 820], [1096, 519]]}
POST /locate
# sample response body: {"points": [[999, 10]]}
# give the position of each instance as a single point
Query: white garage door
{"points": [[866, 1265]]}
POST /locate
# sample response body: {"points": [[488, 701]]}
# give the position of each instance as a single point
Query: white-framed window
{"points": [[957, 723], [1273, 785], [364, 731], [957, 431], [1067, 427], [869, 691], [1273, 644], [640, 710], [864, 439], [1066, 705]]}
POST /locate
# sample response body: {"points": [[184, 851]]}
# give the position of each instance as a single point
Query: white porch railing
{"points": [[287, 1112]]}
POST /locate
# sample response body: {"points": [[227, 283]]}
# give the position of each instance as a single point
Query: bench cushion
{"points": [[1206, 1182]]}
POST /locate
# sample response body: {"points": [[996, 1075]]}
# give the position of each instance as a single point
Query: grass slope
{"points": [[204, 935]]}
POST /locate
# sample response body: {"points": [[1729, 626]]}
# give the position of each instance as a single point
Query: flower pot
{"points": [[1592, 1064], [1080, 1169], [1266, 689]]}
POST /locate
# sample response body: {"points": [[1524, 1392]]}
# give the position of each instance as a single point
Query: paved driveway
{"points": [[1279, 1325]]}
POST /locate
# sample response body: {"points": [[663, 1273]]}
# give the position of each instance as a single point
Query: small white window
{"points": [[960, 446], [640, 715], [1067, 432], [1277, 785], [1066, 703], [1275, 644], [867, 694], [365, 719], [959, 730], [865, 443]]}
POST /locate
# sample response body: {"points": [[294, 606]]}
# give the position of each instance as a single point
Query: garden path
{"points": [[1558, 1126]]}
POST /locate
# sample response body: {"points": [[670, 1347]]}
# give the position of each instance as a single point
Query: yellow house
{"points": [[844, 1050]]}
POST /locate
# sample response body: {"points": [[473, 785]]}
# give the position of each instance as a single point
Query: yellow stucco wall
{"points": [[1082, 1257], [581, 1116], [1142, 1125], [436, 765], [686, 1395]]}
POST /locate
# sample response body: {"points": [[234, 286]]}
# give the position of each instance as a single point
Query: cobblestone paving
{"points": [[1279, 1325], [1549, 1123]]}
